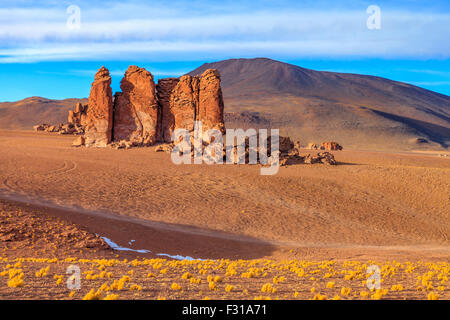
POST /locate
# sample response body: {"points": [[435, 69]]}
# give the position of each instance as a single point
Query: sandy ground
{"points": [[373, 205]]}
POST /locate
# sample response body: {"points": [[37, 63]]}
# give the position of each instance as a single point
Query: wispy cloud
{"points": [[124, 31], [114, 72], [120, 73], [429, 83], [429, 72]]}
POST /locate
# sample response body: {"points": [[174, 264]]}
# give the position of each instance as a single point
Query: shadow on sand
{"points": [[156, 237]]}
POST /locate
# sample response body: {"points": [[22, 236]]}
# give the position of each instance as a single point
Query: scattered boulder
{"points": [[326, 158], [295, 158], [40, 127], [289, 153], [312, 146], [286, 144], [167, 147], [122, 144], [78, 142], [73, 126], [330, 146]]}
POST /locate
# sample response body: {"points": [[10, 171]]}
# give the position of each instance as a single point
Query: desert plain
{"points": [[141, 227]]}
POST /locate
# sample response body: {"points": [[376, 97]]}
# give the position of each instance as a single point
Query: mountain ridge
{"points": [[25, 113], [359, 111], [361, 105]]}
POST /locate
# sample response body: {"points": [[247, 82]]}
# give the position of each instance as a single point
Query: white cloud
{"points": [[429, 71], [155, 72], [126, 32], [429, 83]]}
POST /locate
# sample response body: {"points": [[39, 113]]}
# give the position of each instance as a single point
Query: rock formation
{"points": [[143, 114], [312, 146], [188, 99], [99, 114], [330, 146], [78, 142], [296, 158], [184, 103], [164, 90], [73, 125], [285, 144], [76, 117], [136, 108], [210, 105], [289, 153]]}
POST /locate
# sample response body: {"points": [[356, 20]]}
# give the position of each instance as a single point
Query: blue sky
{"points": [[40, 55]]}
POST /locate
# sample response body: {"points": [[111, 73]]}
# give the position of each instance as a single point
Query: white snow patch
{"points": [[115, 246], [178, 257]]}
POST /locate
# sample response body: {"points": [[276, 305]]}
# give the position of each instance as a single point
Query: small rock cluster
{"points": [[329, 146], [74, 123], [294, 157], [62, 128], [289, 153]]}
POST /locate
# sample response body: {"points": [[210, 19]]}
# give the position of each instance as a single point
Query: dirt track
{"points": [[372, 204]]}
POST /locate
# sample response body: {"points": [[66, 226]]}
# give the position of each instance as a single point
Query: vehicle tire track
{"points": [[68, 166], [11, 187]]}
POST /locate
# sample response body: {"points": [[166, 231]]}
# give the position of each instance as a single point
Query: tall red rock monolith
{"points": [[164, 90], [136, 108], [210, 106], [184, 103], [99, 113]]}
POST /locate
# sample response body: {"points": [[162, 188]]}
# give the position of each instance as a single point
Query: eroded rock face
{"points": [[99, 114], [166, 122], [191, 99], [210, 106], [183, 104], [330, 146], [136, 108]]}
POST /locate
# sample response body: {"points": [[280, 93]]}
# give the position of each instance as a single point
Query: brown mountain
{"points": [[359, 111], [24, 114]]}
